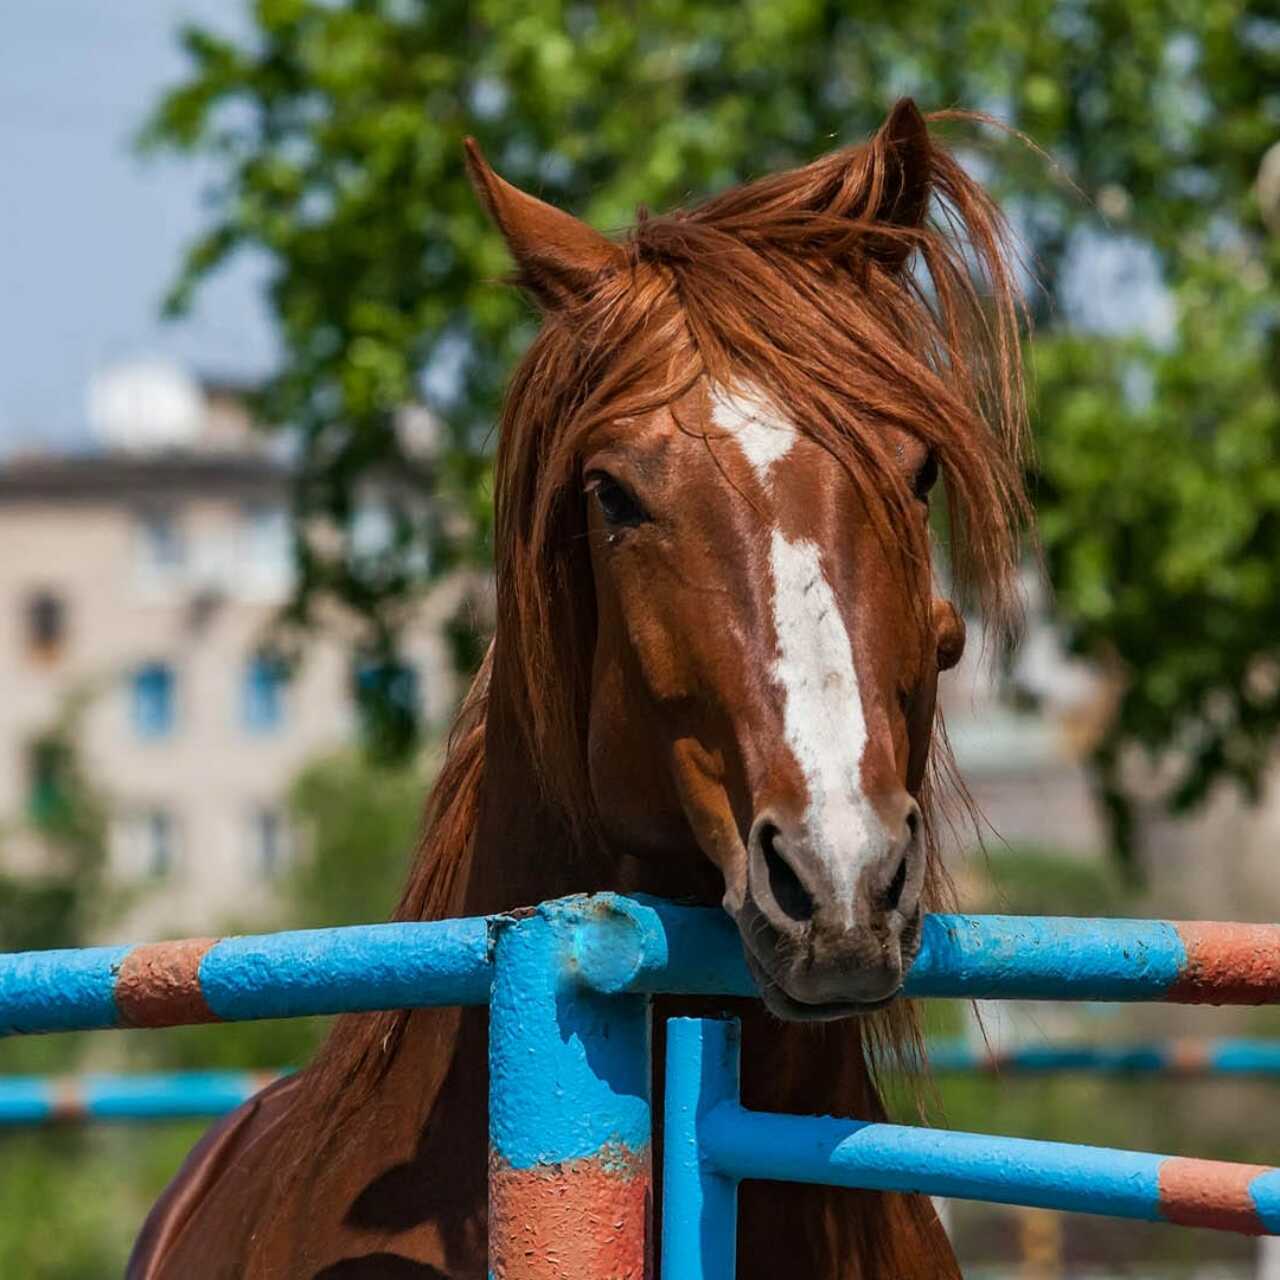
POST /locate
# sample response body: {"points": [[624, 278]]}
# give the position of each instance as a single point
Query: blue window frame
{"points": [[262, 694], [153, 700]]}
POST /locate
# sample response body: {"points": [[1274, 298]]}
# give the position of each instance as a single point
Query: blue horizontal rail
{"points": [[39, 1100], [280, 975], [26, 1100], [1227, 1058], [713, 1142], [619, 945], [647, 947], [969, 1166]]}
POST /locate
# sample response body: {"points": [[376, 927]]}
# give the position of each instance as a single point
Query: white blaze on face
{"points": [[823, 718], [758, 429], [824, 724]]}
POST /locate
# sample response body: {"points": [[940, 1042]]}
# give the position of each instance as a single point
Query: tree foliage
{"points": [[56, 904], [1160, 517], [73, 1201], [360, 821], [336, 129]]}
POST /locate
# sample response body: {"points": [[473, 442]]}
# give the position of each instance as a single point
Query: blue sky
{"points": [[90, 234]]}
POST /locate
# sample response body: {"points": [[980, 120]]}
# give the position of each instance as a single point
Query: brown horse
{"points": [[712, 678]]}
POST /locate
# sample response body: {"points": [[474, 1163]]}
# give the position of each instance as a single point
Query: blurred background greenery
{"points": [[336, 132], [333, 130]]}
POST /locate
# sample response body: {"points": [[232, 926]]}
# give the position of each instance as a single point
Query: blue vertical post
{"points": [[699, 1205], [569, 1122]]}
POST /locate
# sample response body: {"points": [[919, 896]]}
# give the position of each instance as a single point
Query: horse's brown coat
{"points": [[624, 731]]}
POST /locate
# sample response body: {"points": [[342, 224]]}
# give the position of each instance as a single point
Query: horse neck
{"points": [[520, 852], [523, 850]]}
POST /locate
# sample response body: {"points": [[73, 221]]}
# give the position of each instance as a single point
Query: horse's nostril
{"points": [[790, 895], [893, 891], [913, 823]]}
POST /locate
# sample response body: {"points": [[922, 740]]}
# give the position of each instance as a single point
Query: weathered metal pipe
{"points": [[622, 945], [277, 975], [1225, 1058], [726, 1141], [41, 1100], [29, 1100], [699, 1201], [645, 946], [569, 1124]]}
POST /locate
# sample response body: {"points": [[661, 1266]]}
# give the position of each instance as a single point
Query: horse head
{"points": [[713, 499]]}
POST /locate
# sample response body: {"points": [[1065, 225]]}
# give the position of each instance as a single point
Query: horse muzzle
{"points": [[830, 934]]}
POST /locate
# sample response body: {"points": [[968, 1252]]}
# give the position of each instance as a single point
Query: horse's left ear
{"points": [[559, 258], [901, 180]]}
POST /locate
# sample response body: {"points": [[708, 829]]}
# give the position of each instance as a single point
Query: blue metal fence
{"points": [[567, 987], [175, 1095], [713, 1143]]}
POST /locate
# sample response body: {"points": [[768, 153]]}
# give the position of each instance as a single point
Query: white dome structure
{"points": [[146, 406]]}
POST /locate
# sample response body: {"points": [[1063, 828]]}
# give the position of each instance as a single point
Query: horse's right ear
{"points": [[559, 258], [903, 179]]}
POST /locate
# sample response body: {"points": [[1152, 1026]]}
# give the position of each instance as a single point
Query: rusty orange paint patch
{"points": [[159, 985], [572, 1221], [68, 1102], [1228, 964], [1209, 1193], [1188, 1057]]}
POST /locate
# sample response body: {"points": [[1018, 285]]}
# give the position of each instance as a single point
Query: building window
{"points": [[388, 702], [159, 843], [266, 551], [148, 844], [153, 700], [160, 547], [47, 798], [262, 694], [269, 841], [46, 626]]}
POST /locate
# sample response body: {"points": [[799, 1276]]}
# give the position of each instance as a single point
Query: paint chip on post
{"points": [[1236, 964], [582, 1218], [569, 1166], [1211, 1194], [159, 985]]}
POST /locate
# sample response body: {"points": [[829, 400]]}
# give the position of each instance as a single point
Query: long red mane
{"points": [[816, 309]]}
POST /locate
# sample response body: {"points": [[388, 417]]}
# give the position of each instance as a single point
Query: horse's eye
{"points": [[616, 505], [926, 477]]}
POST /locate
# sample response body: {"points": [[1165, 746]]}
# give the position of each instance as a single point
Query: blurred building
{"points": [[142, 580]]}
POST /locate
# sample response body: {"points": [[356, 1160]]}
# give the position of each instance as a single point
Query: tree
{"points": [[1160, 517], [337, 129], [56, 905], [360, 821]]}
